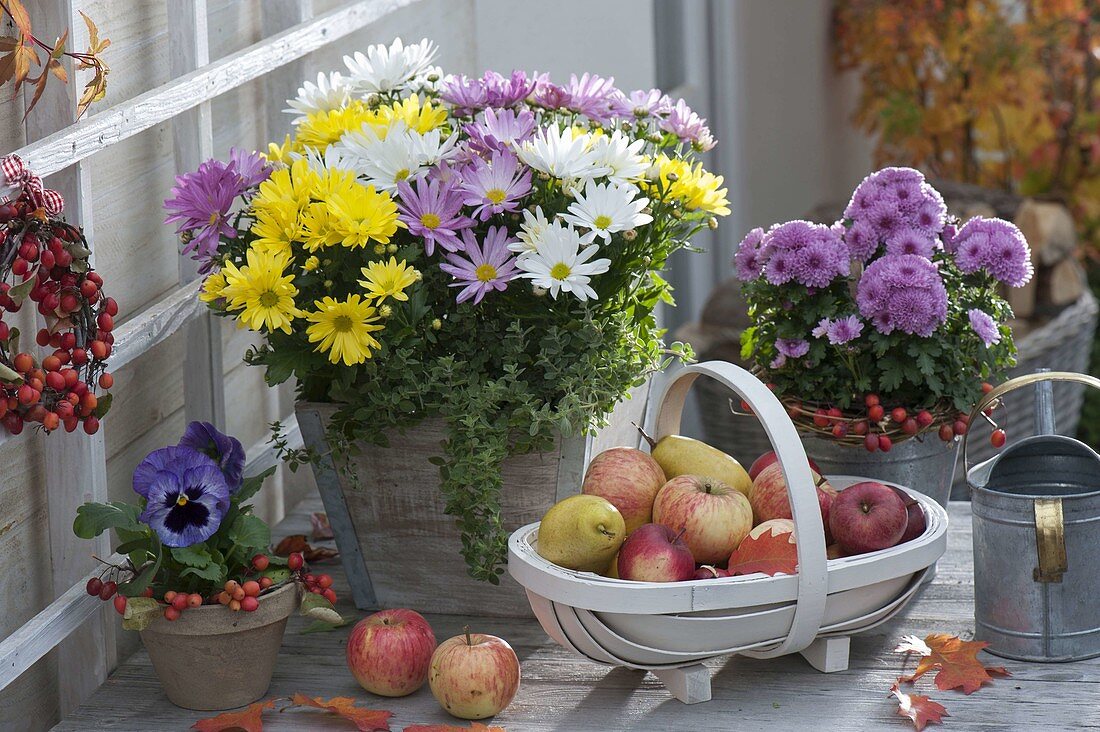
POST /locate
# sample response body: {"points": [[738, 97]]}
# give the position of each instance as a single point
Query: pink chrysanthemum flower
{"points": [[495, 185], [484, 268], [433, 211]]}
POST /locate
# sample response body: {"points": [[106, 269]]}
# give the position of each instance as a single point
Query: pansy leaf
{"points": [[252, 484], [146, 575], [92, 519], [195, 555], [212, 572], [140, 612], [250, 532]]}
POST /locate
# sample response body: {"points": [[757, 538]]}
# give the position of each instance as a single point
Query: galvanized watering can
{"points": [[1036, 513]]}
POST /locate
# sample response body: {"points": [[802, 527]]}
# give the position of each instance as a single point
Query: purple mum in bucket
{"points": [[186, 495]]}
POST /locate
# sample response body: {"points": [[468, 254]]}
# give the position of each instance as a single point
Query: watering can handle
{"points": [[1016, 383]]}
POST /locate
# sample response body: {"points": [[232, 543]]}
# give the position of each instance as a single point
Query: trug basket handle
{"points": [[809, 531]]}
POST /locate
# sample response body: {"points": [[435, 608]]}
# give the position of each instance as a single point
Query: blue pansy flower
{"points": [[226, 451], [186, 495]]}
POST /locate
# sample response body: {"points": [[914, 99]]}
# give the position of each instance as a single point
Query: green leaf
{"points": [[317, 607], [145, 577], [132, 545], [20, 291], [196, 555], [320, 626], [212, 572], [103, 405], [92, 519], [9, 375], [251, 485], [250, 532], [140, 613]]}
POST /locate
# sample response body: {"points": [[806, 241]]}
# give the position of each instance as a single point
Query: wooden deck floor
{"points": [[564, 693]]}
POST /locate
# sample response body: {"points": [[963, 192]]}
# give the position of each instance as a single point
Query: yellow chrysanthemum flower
{"points": [[212, 287], [418, 116], [287, 186], [334, 182], [321, 129], [262, 291], [311, 264], [388, 279], [276, 228], [695, 187], [343, 329], [363, 214], [277, 153], [319, 227]]}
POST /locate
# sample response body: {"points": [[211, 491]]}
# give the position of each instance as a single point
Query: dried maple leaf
{"points": [[920, 709], [298, 543], [769, 551], [474, 727], [365, 720], [955, 660], [249, 719], [19, 15]]}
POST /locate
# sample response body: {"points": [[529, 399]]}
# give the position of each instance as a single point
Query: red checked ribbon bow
{"points": [[19, 176]]}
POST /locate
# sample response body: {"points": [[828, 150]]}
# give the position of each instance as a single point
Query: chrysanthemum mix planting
{"points": [[887, 324], [485, 250]]}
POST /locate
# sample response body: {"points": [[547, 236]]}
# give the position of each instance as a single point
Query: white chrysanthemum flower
{"points": [[429, 80], [384, 69], [384, 161], [432, 146], [330, 92], [530, 231], [559, 263], [334, 158], [621, 155], [604, 208], [561, 153]]}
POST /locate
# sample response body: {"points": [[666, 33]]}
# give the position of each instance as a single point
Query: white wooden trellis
{"points": [[81, 474]]}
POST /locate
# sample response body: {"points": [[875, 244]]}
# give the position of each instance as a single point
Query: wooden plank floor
{"points": [[564, 693]]}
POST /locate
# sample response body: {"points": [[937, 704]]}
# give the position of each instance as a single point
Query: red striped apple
{"points": [[474, 675], [769, 458], [388, 653], [655, 553], [714, 516], [629, 479], [769, 497], [866, 517]]}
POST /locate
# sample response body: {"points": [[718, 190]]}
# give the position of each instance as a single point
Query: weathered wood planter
{"points": [[398, 546]]}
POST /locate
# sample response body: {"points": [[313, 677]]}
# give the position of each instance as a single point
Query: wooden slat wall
{"points": [[136, 254]]}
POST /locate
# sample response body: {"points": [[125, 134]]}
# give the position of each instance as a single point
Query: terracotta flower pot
{"points": [[213, 658]]}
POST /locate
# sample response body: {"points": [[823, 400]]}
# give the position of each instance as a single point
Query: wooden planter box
{"points": [[398, 546]]}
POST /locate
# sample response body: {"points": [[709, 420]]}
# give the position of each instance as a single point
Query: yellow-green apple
{"points": [[655, 553], [713, 515], [628, 478], [767, 459], [388, 653], [866, 517], [917, 521], [678, 455], [582, 533], [474, 675], [708, 571], [769, 497]]}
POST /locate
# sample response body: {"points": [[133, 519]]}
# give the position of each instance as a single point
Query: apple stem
{"points": [[821, 480], [466, 630], [645, 435], [683, 530]]}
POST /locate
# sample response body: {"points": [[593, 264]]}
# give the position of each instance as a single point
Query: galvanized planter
{"points": [[1036, 514], [924, 463], [397, 544]]}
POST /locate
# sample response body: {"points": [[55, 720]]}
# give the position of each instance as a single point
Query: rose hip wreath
{"points": [[44, 260]]}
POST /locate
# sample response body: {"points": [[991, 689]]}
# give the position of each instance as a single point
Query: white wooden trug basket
{"points": [[670, 628]]}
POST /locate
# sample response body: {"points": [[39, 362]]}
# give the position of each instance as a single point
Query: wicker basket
{"points": [[669, 628]]}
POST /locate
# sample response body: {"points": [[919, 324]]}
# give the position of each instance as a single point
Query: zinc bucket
{"points": [[1036, 509]]}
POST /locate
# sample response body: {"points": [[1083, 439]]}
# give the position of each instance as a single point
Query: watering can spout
{"points": [[1044, 406]]}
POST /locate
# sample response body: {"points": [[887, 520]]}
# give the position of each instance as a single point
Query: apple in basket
{"points": [[474, 675], [769, 497], [714, 516], [388, 653], [767, 459], [708, 571], [656, 553], [629, 479], [866, 517], [582, 533], [917, 520]]}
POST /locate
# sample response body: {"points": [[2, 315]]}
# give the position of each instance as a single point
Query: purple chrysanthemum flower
{"points": [[792, 347], [591, 95], [839, 331], [495, 185], [641, 103], [889, 204], [820, 261], [433, 211], [549, 95], [505, 91], [225, 450], [499, 129], [466, 95], [484, 269], [688, 126], [778, 362], [186, 495], [812, 254], [251, 166], [902, 292], [996, 245], [862, 240], [747, 260], [911, 240], [200, 203], [984, 325]]}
